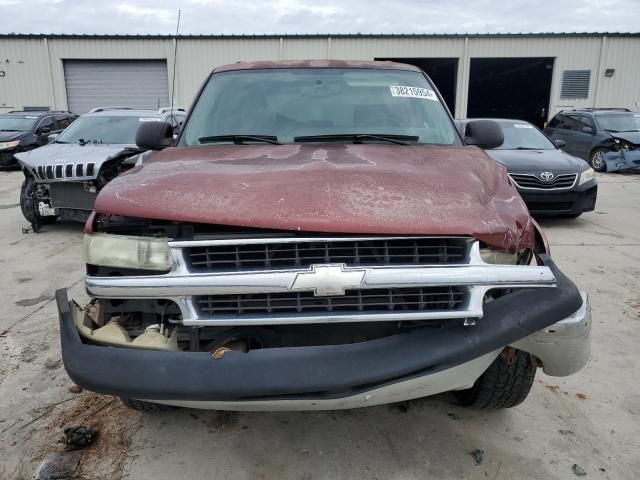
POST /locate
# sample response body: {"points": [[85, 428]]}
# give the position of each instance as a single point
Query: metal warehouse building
{"points": [[528, 76]]}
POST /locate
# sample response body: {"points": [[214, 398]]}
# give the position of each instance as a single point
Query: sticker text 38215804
{"points": [[413, 92]]}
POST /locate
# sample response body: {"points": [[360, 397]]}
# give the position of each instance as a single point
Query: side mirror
{"points": [[483, 133], [587, 130], [154, 135], [52, 137], [45, 130], [560, 143]]}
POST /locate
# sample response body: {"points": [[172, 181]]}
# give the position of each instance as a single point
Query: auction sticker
{"points": [[413, 92]]}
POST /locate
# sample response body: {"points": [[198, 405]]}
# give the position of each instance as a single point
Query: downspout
{"points": [[600, 72], [52, 94]]}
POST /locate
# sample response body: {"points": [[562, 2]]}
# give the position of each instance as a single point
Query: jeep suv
{"points": [[319, 236], [608, 138], [62, 179], [21, 131]]}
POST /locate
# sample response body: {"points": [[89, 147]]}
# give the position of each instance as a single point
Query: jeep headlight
{"points": [[127, 252], [6, 145], [489, 255], [587, 176]]}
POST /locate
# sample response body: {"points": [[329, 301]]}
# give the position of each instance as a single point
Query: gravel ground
{"points": [[591, 419]]}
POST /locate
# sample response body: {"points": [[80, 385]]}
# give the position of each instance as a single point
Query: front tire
{"points": [[596, 159], [505, 384], [29, 204]]}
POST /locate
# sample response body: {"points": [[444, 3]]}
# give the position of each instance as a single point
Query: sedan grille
{"points": [[380, 300], [531, 181], [302, 254]]}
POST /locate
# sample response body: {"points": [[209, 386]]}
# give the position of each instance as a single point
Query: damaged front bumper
{"points": [[622, 160], [553, 324]]}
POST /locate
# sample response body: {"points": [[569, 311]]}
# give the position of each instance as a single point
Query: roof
{"points": [[386, 65], [318, 35]]}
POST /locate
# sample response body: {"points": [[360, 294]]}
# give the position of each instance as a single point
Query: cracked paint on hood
{"points": [[331, 188]]}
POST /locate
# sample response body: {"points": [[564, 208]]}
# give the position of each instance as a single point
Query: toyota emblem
{"points": [[547, 176]]}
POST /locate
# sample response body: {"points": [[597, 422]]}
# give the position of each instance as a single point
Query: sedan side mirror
{"points": [[484, 134], [45, 130], [154, 135], [52, 137], [560, 143], [587, 130]]}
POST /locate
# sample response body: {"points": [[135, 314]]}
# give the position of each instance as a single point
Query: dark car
{"points": [[595, 134], [22, 131], [62, 179], [550, 181]]}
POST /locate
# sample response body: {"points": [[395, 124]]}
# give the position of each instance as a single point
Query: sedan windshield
{"points": [[103, 129], [620, 122], [319, 105], [523, 136], [16, 124]]}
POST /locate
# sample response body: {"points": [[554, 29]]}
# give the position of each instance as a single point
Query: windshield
{"points": [[620, 122], [523, 136], [300, 103], [16, 124], [103, 129]]}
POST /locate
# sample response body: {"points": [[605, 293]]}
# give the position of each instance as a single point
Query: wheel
{"points": [[28, 204], [505, 384], [596, 159], [146, 407]]}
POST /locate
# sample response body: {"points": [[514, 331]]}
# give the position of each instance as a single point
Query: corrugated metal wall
{"points": [[34, 73]]}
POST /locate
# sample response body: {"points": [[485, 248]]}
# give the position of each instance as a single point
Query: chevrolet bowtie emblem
{"points": [[325, 280]]}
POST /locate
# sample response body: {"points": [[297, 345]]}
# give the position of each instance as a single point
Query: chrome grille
{"points": [[386, 300], [531, 181], [302, 254], [64, 171]]}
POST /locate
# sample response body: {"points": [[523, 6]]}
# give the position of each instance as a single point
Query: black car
{"points": [[23, 130], [599, 134], [550, 181]]}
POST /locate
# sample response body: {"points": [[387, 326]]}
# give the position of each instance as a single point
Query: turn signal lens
{"points": [[497, 257]]}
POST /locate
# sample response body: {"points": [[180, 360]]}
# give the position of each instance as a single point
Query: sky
{"points": [[318, 16]]}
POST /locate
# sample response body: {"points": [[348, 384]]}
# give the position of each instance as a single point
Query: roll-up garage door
{"points": [[111, 83]]}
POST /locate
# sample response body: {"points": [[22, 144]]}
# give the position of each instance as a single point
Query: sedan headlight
{"points": [[127, 252], [587, 176], [489, 255], [5, 145]]}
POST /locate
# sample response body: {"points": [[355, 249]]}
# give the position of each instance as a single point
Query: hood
{"points": [[65, 153], [355, 189], [536, 161], [631, 137], [9, 136]]}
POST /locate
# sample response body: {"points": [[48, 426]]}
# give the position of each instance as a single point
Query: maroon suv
{"points": [[319, 236]]}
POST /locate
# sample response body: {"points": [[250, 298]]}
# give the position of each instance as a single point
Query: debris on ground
{"points": [[578, 470], [75, 389], [77, 438], [454, 416], [581, 396], [553, 388], [52, 364], [478, 455], [566, 432], [59, 466]]}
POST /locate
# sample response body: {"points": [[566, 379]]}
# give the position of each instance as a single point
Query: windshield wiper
{"points": [[240, 139], [527, 148], [358, 138], [9, 130]]}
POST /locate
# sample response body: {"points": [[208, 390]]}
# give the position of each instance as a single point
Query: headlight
{"points": [[489, 255], [127, 252], [5, 145], [587, 176]]}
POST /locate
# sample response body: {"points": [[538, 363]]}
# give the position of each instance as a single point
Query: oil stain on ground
{"points": [[28, 302]]}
